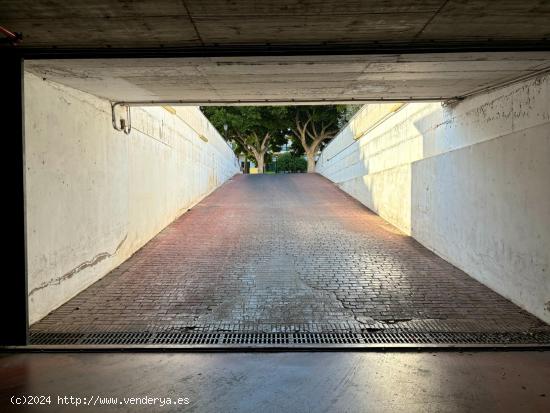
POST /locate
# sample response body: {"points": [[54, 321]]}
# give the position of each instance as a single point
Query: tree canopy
{"points": [[259, 129], [254, 129], [312, 127]]}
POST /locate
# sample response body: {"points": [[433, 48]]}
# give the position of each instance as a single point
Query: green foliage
{"points": [[348, 113], [313, 126], [257, 130], [288, 162], [247, 126]]}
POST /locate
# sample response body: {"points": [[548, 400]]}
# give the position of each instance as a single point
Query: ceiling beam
{"points": [[280, 50]]}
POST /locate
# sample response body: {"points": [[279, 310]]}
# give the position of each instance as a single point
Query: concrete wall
{"points": [[471, 182], [94, 195]]}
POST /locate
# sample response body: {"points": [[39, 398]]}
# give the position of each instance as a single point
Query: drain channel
{"points": [[288, 339]]}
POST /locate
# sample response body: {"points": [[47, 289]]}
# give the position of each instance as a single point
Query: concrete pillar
{"points": [[13, 294]]}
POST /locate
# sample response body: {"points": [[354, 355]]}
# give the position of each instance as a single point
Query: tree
{"points": [[313, 126], [255, 129], [288, 162]]}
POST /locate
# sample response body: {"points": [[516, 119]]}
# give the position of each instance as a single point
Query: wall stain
{"points": [[86, 264]]}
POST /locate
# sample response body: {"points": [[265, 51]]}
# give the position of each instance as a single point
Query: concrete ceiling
{"points": [[177, 23], [291, 78], [391, 31]]}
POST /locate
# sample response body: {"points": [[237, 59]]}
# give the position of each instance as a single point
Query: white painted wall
{"points": [[471, 182], [94, 195]]}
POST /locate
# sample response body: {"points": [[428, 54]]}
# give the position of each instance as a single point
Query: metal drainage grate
{"points": [[289, 339], [115, 338], [256, 338], [327, 338], [185, 338]]}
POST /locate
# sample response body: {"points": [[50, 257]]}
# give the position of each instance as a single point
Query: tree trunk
{"points": [[310, 161], [260, 163]]}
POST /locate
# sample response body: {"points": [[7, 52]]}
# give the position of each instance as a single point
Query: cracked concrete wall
{"points": [[469, 181], [94, 195]]}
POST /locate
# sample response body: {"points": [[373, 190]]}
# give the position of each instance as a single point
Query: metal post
{"points": [[13, 294]]}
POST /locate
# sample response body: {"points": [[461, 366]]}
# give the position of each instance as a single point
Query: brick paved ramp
{"points": [[285, 253]]}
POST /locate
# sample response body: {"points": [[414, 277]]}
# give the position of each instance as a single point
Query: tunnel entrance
{"points": [[268, 255]]}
